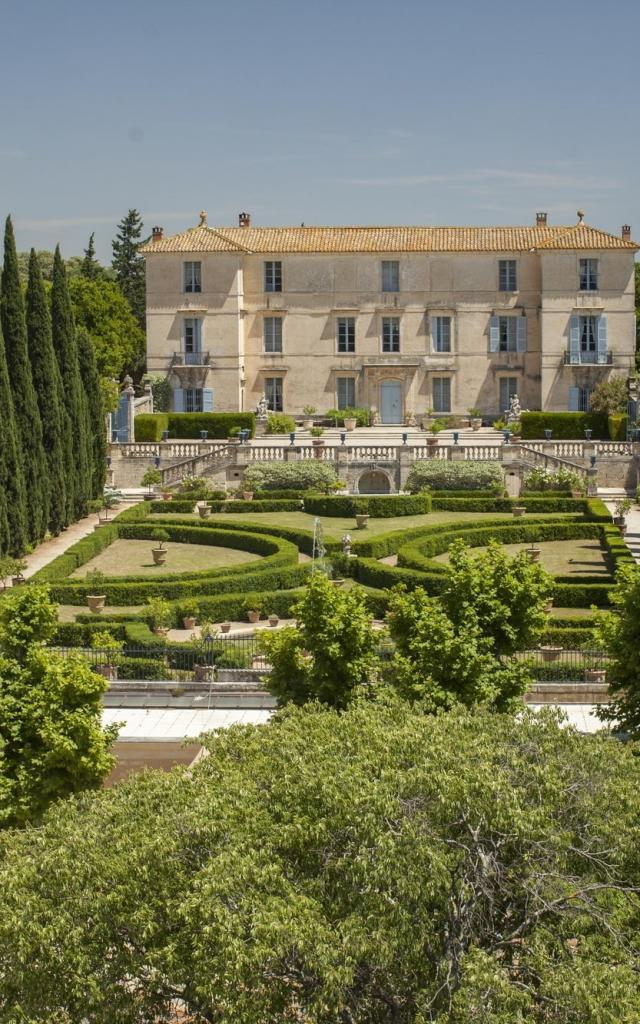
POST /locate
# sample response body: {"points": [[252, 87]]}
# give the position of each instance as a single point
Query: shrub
{"points": [[618, 427], [150, 426], [565, 425], [609, 396], [151, 478], [542, 479], [159, 613], [377, 507], [270, 476], [218, 424], [279, 423], [439, 475], [360, 414]]}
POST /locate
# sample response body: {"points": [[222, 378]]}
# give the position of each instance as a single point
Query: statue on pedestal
{"points": [[262, 409], [513, 413]]}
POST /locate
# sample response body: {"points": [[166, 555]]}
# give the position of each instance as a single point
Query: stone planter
{"points": [[274, 620], [159, 555], [318, 445], [203, 673], [548, 606], [621, 523], [533, 554], [307, 423], [247, 495], [161, 630], [18, 581], [550, 653], [338, 582], [204, 510], [253, 615], [350, 423], [189, 621], [476, 422], [595, 675], [432, 444], [109, 672], [362, 521], [225, 627], [518, 510], [95, 602]]}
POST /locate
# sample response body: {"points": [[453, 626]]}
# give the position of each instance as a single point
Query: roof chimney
{"points": [[580, 216], [541, 220], [157, 234], [626, 232], [244, 220]]}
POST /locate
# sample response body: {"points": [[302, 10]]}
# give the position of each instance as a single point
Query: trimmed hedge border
{"points": [[187, 425], [566, 426], [339, 506]]}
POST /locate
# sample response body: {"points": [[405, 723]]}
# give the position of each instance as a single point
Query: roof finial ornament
{"points": [[203, 219], [580, 216]]}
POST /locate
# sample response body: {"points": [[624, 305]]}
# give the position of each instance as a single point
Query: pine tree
{"points": [[90, 268], [28, 425], [48, 387], [65, 347], [13, 518], [91, 384], [129, 264]]}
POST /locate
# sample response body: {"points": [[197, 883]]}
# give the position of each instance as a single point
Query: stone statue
{"points": [[262, 409], [513, 413], [410, 420], [375, 417], [346, 545]]}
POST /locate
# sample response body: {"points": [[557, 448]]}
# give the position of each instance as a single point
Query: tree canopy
{"points": [[129, 265], [376, 866], [610, 396], [102, 310], [619, 635]]}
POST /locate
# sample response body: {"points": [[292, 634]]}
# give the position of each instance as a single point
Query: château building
{"points": [[400, 319]]}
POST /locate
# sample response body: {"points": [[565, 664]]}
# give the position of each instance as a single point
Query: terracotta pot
{"points": [[350, 423], [577, 494], [247, 495], [273, 620], [253, 615], [159, 555], [109, 672], [95, 602], [362, 521], [189, 621], [595, 675], [518, 510], [167, 495], [225, 627]]}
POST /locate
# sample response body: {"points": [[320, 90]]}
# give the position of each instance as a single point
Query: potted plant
{"points": [[159, 553], [225, 626], [95, 598], [189, 612], [622, 509], [316, 434], [308, 411], [159, 615], [167, 495], [362, 515], [152, 477], [518, 510], [476, 417], [253, 609], [350, 422], [247, 495], [274, 619], [593, 670], [18, 565], [204, 668], [106, 645]]}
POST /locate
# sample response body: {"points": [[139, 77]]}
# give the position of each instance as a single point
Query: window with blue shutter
{"points": [[521, 334], [178, 400], [207, 399], [574, 399], [603, 354], [494, 334], [574, 340]]}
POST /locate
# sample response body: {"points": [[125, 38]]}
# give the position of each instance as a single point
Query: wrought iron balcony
{"points": [[190, 359], [588, 358]]}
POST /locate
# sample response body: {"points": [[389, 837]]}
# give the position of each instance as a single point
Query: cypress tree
{"points": [[13, 521], [65, 347], [129, 264], [28, 425], [91, 384], [90, 268], [48, 387]]}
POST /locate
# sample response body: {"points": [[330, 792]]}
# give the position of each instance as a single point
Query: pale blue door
{"points": [[391, 401]]}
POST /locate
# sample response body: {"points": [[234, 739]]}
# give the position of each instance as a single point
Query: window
{"points": [[579, 399], [588, 339], [390, 334], [193, 400], [273, 276], [507, 276], [508, 339], [390, 276], [588, 275], [588, 333], [192, 336], [192, 279], [272, 328], [273, 393], [441, 333], [508, 388], [441, 391], [346, 392], [346, 334]]}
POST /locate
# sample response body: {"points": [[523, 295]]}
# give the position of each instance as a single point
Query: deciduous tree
{"points": [[618, 634], [100, 307], [610, 396]]}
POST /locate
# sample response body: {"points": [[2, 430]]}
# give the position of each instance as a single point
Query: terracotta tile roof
{"points": [[387, 239]]}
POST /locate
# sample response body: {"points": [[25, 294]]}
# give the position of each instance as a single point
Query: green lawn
{"points": [[134, 558], [68, 612], [334, 529], [579, 557]]}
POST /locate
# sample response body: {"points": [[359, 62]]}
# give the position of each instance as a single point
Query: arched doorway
{"points": [[374, 482]]}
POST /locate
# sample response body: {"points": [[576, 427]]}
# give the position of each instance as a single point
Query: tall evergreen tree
{"points": [[13, 515], [90, 268], [48, 387], [91, 384], [65, 347], [129, 264], [28, 424]]}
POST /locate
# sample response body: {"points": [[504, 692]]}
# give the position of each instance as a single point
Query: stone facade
{"points": [[456, 316]]}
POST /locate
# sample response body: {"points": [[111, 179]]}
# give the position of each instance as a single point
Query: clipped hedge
{"points": [[149, 426], [274, 601], [569, 639], [617, 427], [342, 506], [274, 476], [187, 425], [576, 595], [565, 426], [539, 505], [442, 475]]}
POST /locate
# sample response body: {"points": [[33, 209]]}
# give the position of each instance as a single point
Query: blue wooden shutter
{"points": [[207, 399], [521, 334], [494, 334], [178, 400], [433, 329], [602, 339], [574, 399], [574, 340]]}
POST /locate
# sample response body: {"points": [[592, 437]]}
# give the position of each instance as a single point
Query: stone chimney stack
{"points": [[157, 234], [626, 232], [541, 220], [244, 220]]}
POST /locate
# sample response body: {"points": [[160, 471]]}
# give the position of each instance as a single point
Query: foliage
{"points": [[360, 414], [564, 425], [129, 265], [161, 391], [622, 507], [94, 579], [187, 425], [90, 268], [309, 410], [13, 525], [195, 487], [104, 640], [371, 867], [617, 427], [317, 431], [609, 396], [158, 613], [151, 478], [10, 567], [100, 307], [160, 536], [330, 657], [279, 423], [96, 413], [618, 634], [150, 426], [269, 476], [378, 507], [539, 478], [441, 475]]}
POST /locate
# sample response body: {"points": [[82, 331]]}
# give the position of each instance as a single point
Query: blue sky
{"points": [[347, 112]]}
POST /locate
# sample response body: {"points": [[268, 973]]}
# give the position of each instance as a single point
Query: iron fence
{"points": [[559, 665]]}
